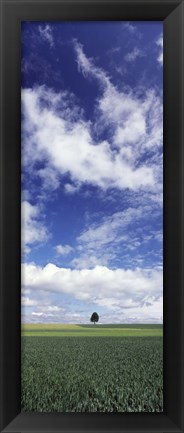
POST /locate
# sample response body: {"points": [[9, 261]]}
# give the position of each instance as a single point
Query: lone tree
{"points": [[94, 318]]}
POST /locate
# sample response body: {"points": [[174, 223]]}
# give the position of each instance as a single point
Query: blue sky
{"points": [[92, 148]]}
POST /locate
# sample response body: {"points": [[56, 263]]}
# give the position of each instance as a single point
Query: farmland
{"points": [[105, 368], [42, 330]]}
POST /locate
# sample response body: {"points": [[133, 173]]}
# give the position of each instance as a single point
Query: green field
{"points": [[121, 372], [42, 330]]}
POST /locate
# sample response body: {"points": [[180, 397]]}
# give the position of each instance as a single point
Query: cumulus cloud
{"points": [[115, 162], [63, 249], [98, 163], [136, 125], [33, 230], [117, 289], [47, 34], [149, 312]]}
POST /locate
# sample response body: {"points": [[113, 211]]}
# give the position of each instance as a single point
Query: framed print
{"points": [[92, 216], [90, 176]]}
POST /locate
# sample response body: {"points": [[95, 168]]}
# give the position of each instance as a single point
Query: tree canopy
{"points": [[94, 317]]}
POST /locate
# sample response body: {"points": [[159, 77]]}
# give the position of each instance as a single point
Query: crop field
{"points": [[42, 330], [118, 372]]}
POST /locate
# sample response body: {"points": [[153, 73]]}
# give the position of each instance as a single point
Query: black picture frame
{"points": [[171, 12]]}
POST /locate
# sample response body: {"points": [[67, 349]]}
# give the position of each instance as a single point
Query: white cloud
{"points": [[48, 311], [114, 236], [150, 312], [71, 188], [67, 317], [34, 313], [63, 249], [33, 230], [133, 55], [136, 127], [87, 66], [111, 228], [52, 308], [159, 42], [47, 34], [97, 163], [136, 123], [88, 260], [27, 302], [130, 27], [49, 177], [117, 290]]}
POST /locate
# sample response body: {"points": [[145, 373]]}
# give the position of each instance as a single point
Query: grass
{"points": [[97, 330]]}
